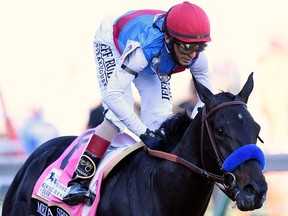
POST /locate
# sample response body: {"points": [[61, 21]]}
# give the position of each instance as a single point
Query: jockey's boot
{"points": [[79, 185]]}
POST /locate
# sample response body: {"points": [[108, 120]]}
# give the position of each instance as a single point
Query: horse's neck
{"points": [[189, 145], [188, 148]]}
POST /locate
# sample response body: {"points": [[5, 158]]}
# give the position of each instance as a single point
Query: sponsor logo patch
{"points": [[52, 186]]}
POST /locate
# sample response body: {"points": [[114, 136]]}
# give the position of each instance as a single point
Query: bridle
{"points": [[205, 122], [229, 188]]}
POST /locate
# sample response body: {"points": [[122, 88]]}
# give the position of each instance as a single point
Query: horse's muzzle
{"points": [[251, 197]]}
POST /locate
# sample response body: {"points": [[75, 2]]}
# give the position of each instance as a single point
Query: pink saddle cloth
{"points": [[51, 187]]}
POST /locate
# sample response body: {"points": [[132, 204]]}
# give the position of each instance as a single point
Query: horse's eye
{"points": [[219, 131]]}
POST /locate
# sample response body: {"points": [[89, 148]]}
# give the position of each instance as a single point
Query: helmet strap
{"points": [[170, 46]]}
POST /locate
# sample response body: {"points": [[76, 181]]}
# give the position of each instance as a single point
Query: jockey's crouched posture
{"points": [[144, 47]]}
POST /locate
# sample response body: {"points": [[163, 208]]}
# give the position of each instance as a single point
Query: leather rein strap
{"points": [[204, 122], [177, 159]]}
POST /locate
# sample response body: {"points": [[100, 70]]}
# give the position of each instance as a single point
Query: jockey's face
{"points": [[183, 57], [185, 52]]}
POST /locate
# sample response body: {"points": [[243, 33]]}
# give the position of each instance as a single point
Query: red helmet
{"points": [[187, 22]]}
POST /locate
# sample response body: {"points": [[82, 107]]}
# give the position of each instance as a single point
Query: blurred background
{"points": [[48, 77]]}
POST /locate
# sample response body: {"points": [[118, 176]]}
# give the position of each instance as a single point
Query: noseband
{"points": [[229, 187]]}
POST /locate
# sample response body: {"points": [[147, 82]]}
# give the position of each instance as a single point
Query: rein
{"points": [[177, 159], [220, 180]]}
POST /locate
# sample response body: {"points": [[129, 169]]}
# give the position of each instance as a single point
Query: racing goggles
{"points": [[189, 48]]}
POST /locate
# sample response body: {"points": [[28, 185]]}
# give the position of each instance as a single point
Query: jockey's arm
{"points": [[130, 64], [200, 71]]}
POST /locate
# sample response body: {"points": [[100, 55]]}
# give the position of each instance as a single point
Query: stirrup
{"points": [[90, 197], [74, 199], [77, 194]]}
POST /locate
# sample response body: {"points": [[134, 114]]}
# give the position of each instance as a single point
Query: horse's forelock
{"points": [[220, 98]]}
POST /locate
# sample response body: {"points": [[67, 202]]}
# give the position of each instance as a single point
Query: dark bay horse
{"points": [[217, 147]]}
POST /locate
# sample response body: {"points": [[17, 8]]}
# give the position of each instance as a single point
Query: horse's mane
{"points": [[173, 130]]}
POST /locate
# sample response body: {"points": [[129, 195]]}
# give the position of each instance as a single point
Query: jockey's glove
{"points": [[151, 139]]}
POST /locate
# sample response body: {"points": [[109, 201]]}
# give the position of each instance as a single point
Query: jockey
{"points": [[144, 47]]}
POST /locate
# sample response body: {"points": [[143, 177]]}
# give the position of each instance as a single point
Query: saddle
{"points": [[51, 187]]}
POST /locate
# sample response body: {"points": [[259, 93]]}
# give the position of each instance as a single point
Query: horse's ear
{"points": [[247, 89], [204, 93]]}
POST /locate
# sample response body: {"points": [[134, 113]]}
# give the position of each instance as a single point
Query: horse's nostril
{"points": [[249, 188], [250, 192]]}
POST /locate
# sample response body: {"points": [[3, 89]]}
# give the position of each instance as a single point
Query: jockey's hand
{"points": [[151, 139]]}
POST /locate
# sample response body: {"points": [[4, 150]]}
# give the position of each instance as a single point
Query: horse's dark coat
{"points": [[144, 185], [18, 196]]}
